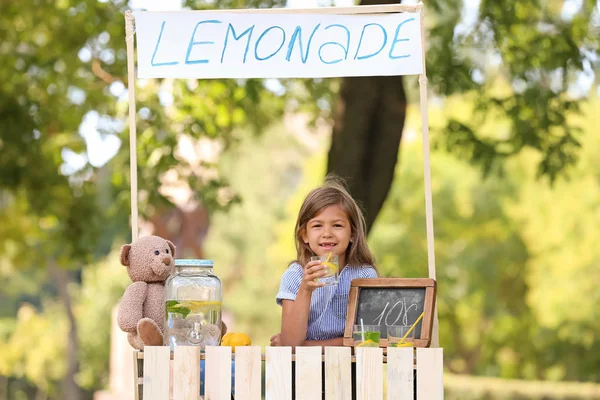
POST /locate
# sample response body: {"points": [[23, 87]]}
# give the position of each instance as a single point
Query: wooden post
{"points": [[435, 341], [129, 32]]}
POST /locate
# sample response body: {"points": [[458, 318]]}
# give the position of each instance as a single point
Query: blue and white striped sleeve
{"points": [[290, 283], [368, 272]]}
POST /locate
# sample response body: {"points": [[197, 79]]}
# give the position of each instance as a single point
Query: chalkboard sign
{"points": [[392, 301], [390, 306]]}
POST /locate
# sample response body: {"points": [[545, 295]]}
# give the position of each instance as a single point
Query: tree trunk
{"points": [[70, 390], [368, 123], [187, 229], [4, 384]]}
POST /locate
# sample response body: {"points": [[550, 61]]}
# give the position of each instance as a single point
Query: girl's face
{"points": [[329, 231]]}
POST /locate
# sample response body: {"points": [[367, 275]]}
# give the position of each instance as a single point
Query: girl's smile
{"points": [[327, 246]]}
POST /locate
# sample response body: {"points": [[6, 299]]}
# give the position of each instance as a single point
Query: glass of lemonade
{"points": [[332, 262], [366, 335], [395, 333]]}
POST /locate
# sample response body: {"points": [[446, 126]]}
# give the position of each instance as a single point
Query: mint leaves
{"points": [[184, 311], [374, 336]]}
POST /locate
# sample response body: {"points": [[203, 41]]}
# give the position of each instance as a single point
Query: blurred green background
{"points": [[224, 166]]}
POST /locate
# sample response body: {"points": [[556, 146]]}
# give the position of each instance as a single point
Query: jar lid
{"points": [[194, 263]]}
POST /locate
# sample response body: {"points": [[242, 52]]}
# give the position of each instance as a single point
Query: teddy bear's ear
{"points": [[125, 254], [172, 246]]}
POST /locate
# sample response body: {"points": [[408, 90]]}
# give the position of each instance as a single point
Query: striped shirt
{"points": [[328, 304]]}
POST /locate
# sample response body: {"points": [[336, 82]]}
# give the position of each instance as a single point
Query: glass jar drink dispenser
{"points": [[193, 305]]}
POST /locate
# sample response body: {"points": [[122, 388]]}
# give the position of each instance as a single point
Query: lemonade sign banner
{"points": [[255, 45]]}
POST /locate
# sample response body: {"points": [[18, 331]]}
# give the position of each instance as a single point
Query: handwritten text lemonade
{"points": [[263, 50], [278, 45]]}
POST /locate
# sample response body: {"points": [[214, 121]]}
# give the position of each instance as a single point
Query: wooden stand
{"points": [[158, 375]]}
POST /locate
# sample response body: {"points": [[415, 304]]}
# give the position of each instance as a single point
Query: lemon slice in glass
{"points": [[330, 265], [368, 343]]}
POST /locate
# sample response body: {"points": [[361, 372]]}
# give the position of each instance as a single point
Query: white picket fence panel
{"points": [[178, 377]]}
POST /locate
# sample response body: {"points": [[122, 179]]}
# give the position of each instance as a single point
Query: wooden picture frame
{"points": [[424, 340]]}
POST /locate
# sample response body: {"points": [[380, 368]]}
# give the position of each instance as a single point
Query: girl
{"points": [[329, 221]]}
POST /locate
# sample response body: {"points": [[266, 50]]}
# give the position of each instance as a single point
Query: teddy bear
{"points": [[149, 261]]}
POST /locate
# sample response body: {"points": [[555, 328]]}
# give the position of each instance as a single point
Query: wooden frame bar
{"points": [[374, 9]]}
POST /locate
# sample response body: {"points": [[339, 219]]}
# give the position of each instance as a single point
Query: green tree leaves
{"points": [[537, 53]]}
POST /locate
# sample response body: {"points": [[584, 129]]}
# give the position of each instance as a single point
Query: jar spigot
{"points": [[194, 336]]}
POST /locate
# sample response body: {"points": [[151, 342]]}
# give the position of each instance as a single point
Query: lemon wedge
{"points": [[368, 343], [330, 265], [405, 344]]}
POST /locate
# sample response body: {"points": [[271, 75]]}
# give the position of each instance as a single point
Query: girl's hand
{"points": [[312, 271], [276, 340]]}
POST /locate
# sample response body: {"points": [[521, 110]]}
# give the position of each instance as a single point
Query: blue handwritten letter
{"points": [[162, 27], [192, 43], [361, 39], [336, 44], [298, 34], [396, 40], [235, 37], [260, 38]]}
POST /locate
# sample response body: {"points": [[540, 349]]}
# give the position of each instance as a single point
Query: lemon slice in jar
{"points": [[197, 306]]}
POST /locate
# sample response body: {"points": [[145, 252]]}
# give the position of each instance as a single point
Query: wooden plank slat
{"points": [[369, 373], [248, 378], [393, 282], [309, 384], [338, 373], [430, 374], [400, 373], [218, 373], [186, 373], [278, 379], [157, 362]]}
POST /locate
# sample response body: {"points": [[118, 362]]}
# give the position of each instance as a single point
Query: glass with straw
{"points": [[366, 335], [402, 335], [395, 333]]}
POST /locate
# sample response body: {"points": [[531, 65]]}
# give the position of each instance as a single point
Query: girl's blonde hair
{"points": [[333, 192]]}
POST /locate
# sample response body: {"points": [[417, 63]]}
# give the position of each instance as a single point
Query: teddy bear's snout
{"points": [[167, 260], [161, 270]]}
